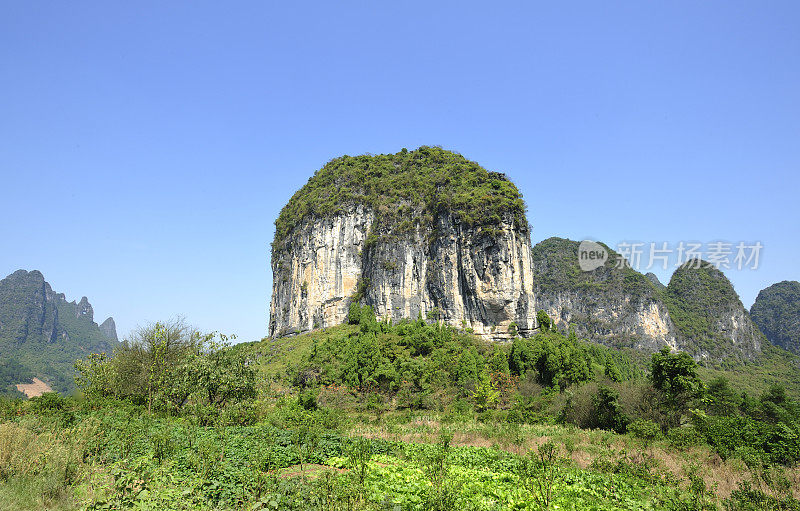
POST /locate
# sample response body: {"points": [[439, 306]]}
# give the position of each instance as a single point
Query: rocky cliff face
{"points": [[609, 305], [432, 259], [699, 312], [27, 310], [109, 329]]}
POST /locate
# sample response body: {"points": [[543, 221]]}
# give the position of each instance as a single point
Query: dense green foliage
{"points": [[11, 373], [765, 429], [557, 361], [43, 333], [776, 311], [415, 359], [167, 367], [556, 270], [404, 190]]}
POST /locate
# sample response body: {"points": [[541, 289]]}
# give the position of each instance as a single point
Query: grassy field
{"points": [[291, 458], [276, 425]]}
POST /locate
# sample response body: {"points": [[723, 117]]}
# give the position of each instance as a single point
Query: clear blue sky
{"points": [[146, 148]]}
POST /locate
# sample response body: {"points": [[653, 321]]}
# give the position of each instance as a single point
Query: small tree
{"points": [[607, 412], [674, 376], [441, 496], [544, 321], [485, 394], [645, 430], [540, 472], [513, 330]]}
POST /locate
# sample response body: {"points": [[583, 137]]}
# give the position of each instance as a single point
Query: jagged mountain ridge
{"points": [[42, 334]]}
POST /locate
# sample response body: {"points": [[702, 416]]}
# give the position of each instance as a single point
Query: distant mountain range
{"points": [[42, 334]]}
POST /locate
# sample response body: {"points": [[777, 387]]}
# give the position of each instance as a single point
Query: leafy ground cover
{"points": [[120, 457], [408, 416]]}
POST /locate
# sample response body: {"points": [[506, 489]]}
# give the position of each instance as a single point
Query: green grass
{"points": [[275, 356]]}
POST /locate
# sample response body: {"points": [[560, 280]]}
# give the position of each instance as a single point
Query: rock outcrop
{"points": [[653, 278], [776, 311], [611, 304], [409, 239], [699, 312], [429, 233], [109, 329], [28, 313], [709, 315]]}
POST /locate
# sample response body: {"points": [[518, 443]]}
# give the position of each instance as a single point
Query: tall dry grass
{"points": [[40, 468]]}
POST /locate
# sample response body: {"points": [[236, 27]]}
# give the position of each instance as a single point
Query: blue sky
{"points": [[146, 148]]}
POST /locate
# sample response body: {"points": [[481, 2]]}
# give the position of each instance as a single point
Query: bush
{"points": [[747, 498], [645, 430], [683, 437], [48, 402], [607, 412], [307, 400]]}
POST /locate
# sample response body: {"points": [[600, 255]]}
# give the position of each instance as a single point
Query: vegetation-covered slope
{"points": [[412, 416], [612, 304], [707, 312], [41, 334], [776, 311], [557, 270], [403, 189]]}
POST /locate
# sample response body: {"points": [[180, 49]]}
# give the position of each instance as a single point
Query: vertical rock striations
{"points": [[425, 232], [44, 333]]}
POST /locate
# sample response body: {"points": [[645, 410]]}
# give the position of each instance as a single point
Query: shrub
{"points": [[48, 402], [683, 437], [541, 471], [645, 430], [607, 412], [307, 400]]}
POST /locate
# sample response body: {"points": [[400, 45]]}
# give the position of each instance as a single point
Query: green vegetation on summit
{"points": [[776, 311], [605, 305], [556, 269], [405, 189]]}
